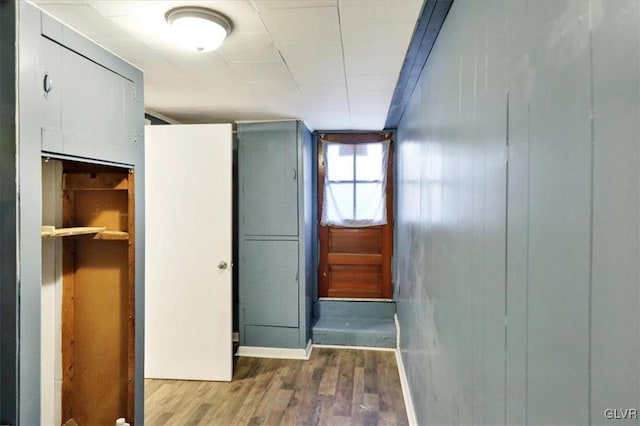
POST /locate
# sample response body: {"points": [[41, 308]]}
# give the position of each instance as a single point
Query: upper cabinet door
{"points": [[89, 109], [268, 169]]}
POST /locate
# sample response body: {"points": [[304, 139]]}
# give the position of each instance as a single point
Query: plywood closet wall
{"points": [[97, 302]]}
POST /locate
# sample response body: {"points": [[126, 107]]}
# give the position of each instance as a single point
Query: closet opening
{"points": [[88, 259]]}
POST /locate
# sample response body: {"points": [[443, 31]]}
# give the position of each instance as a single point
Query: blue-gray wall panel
{"points": [[559, 213], [518, 213], [450, 226], [615, 307], [517, 240]]}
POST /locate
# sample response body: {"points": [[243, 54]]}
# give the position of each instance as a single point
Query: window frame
{"points": [[355, 182]]}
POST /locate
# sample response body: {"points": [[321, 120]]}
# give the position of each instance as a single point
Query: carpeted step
{"points": [[371, 332]]}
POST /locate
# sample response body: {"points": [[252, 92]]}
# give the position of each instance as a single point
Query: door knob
{"points": [[222, 265]]}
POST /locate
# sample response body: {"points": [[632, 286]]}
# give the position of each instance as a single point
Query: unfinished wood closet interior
{"points": [[88, 291]]}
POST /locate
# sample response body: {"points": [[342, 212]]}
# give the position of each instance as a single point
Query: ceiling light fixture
{"points": [[199, 28]]}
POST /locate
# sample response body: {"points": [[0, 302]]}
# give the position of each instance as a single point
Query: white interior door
{"points": [[188, 299]]}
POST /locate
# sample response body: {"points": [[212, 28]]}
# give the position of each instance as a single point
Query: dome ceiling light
{"points": [[198, 28]]}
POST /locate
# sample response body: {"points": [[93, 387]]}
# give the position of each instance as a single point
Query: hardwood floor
{"points": [[334, 387]]}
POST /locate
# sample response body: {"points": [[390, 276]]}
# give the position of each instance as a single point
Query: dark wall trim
{"points": [[424, 37], [8, 205]]}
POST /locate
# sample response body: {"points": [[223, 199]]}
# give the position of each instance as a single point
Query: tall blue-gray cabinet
{"points": [[276, 222], [71, 119]]}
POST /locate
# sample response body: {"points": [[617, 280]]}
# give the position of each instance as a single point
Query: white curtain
{"points": [[355, 182]]}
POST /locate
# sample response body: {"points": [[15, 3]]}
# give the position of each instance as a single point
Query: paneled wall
{"points": [[518, 221]]}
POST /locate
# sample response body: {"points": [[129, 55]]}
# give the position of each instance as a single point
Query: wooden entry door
{"points": [[355, 262]]}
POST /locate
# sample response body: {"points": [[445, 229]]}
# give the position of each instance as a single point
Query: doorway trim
{"points": [[385, 290]]}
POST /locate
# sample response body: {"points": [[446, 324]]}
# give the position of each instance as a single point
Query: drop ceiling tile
{"points": [[84, 19], [151, 29], [134, 52], [380, 11], [374, 38], [265, 5], [262, 71], [302, 25], [241, 13], [322, 92], [171, 80], [284, 102], [314, 63], [248, 47], [331, 111], [197, 99], [155, 97], [364, 99], [287, 87], [372, 82], [239, 100], [369, 108], [330, 121], [204, 68], [288, 109], [117, 8], [373, 63], [369, 122]]}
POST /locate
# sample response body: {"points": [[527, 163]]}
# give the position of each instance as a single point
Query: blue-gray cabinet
{"points": [[276, 222], [65, 98]]}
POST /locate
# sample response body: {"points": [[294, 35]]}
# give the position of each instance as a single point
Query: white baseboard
{"points": [[281, 353], [404, 383], [361, 348], [353, 299]]}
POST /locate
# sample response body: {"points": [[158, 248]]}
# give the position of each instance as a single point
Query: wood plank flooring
{"points": [[334, 387]]}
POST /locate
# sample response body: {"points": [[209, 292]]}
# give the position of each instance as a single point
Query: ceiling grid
{"points": [[332, 63]]}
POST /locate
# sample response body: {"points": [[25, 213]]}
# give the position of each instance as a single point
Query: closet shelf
{"points": [[111, 235], [99, 232]]}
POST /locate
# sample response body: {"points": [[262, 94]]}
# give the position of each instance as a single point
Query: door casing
{"points": [[355, 262]]}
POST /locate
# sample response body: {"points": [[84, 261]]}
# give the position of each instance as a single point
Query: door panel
{"points": [[188, 232], [99, 106], [269, 293], [347, 279], [270, 179], [365, 240]]}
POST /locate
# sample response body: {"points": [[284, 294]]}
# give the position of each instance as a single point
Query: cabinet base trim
{"points": [[281, 353]]}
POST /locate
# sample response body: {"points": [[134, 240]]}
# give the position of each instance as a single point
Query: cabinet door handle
{"points": [[295, 174], [47, 83]]}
